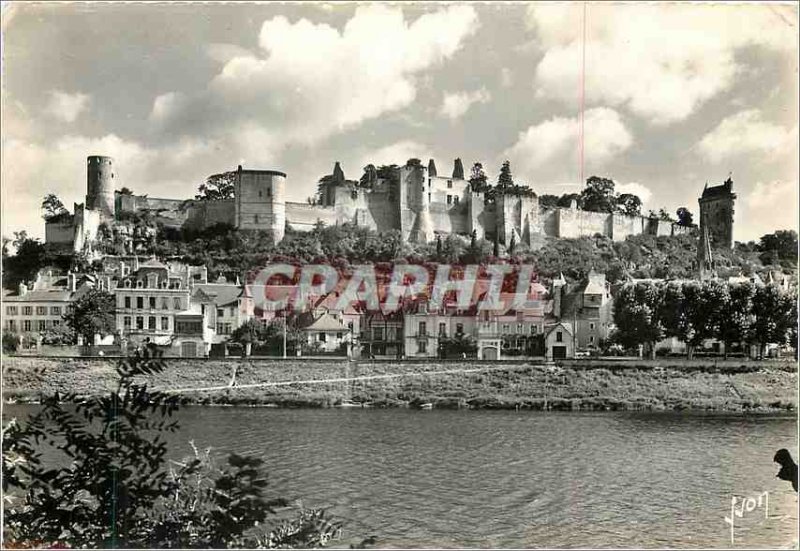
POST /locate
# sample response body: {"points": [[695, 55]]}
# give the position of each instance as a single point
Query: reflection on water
{"points": [[508, 479]]}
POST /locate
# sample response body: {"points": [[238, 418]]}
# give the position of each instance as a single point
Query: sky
{"points": [[674, 97]]}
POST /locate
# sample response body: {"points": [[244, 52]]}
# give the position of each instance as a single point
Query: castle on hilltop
{"points": [[413, 199]]}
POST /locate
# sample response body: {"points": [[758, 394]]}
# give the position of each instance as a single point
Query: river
{"points": [[517, 479]]}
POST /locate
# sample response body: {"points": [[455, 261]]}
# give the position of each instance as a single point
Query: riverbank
{"points": [[671, 384]]}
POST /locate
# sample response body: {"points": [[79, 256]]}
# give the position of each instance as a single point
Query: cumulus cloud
{"points": [[60, 166], [66, 107], [759, 214], [454, 105], [661, 61], [555, 142], [747, 132], [310, 81], [635, 188]]}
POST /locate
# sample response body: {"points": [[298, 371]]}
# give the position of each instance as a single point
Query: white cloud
{"points": [[60, 167], [311, 80], [556, 142], [456, 104], [635, 188], [747, 132], [769, 206], [66, 107], [661, 61]]}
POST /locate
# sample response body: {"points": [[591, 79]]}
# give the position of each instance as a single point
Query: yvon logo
{"points": [[747, 505]]}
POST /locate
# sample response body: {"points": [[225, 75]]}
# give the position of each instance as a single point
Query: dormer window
{"points": [[139, 284]]}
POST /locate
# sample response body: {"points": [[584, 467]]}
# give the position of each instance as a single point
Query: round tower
{"points": [[100, 181], [260, 201]]}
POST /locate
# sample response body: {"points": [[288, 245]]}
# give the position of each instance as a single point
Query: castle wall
{"points": [[303, 217], [623, 225], [204, 214], [60, 233], [87, 224], [577, 223]]}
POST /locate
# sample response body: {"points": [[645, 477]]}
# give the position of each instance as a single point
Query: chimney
{"points": [[431, 169], [458, 170], [338, 173], [22, 289], [71, 282]]}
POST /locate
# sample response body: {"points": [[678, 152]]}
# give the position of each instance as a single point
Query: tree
{"points": [[630, 204], [217, 187], [782, 244], [736, 315], [565, 201], [705, 304], [684, 217], [53, 208], [125, 191], [114, 488], [664, 215], [548, 201], [774, 313], [598, 195], [92, 314], [477, 179], [505, 180], [30, 257], [637, 316]]}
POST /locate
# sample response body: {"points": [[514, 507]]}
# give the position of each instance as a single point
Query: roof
{"points": [[593, 288], [325, 322], [152, 263], [723, 190], [40, 296], [556, 326], [220, 293]]}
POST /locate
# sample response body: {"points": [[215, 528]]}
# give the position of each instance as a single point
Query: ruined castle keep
{"points": [[413, 199]]}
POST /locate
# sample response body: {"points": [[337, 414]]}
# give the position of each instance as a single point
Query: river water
{"points": [[517, 479]]}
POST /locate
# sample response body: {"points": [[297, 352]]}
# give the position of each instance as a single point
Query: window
{"points": [[127, 302], [151, 323], [339, 335], [41, 310], [506, 328], [152, 303], [232, 311], [26, 325], [423, 347], [27, 310], [12, 325], [42, 325], [591, 326], [139, 322], [220, 312], [591, 339], [459, 329], [423, 330], [11, 310], [164, 323], [256, 219], [140, 302], [449, 199], [449, 184], [559, 336], [322, 337], [442, 329], [259, 194], [377, 333], [126, 322], [455, 200], [139, 284], [164, 303], [176, 303], [56, 323], [533, 329]]}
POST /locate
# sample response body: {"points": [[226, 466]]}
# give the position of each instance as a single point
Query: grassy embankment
{"points": [[637, 385]]}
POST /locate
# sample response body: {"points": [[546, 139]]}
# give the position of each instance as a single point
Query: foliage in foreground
{"points": [[110, 484]]}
